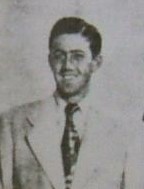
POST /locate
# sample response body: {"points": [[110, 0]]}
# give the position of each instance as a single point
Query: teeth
{"points": [[68, 76]]}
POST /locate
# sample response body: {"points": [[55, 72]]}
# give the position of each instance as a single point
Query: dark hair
{"points": [[70, 25]]}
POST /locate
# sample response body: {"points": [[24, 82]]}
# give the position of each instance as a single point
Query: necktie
{"points": [[70, 145]]}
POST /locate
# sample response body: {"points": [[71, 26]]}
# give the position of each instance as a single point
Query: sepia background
{"points": [[24, 29]]}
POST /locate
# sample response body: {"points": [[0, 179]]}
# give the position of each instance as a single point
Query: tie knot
{"points": [[71, 108]]}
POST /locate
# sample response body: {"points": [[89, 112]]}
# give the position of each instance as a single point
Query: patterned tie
{"points": [[70, 145]]}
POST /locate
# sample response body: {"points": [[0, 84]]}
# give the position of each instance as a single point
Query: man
{"points": [[66, 142]]}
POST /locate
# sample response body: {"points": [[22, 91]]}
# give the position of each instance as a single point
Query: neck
{"points": [[76, 98]]}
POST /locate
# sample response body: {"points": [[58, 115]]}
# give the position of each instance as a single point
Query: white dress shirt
{"points": [[80, 117]]}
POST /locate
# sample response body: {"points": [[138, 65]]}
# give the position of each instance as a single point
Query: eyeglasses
{"points": [[75, 56]]}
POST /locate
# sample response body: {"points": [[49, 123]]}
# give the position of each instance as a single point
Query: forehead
{"points": [[71, 42]]}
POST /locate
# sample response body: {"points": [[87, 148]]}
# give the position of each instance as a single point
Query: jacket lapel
{"points": [[86, 159], [92, 160], [44, 140]]}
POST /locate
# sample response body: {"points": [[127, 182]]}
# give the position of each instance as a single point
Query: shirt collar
{"points": [[81, 118], [84, 104]]}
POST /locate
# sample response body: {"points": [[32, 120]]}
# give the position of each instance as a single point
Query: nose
{"points": [[68, 62]]}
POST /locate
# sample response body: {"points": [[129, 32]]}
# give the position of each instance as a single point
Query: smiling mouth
{"points": [[68, 75]]}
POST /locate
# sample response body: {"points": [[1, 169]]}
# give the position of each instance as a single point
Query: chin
{"points": [[72, 89], [68, 91]]}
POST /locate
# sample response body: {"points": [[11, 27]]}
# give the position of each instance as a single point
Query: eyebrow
{"points": [[72, 51], [57, 50], [77, 51]]}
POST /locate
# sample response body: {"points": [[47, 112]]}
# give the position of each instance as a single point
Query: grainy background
{"points": [[24, 29]]}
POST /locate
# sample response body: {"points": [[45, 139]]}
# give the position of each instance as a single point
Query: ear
{"points": [[50, 61], [96, 63]]}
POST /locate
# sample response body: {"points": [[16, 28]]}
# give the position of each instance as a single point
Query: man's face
{"points": [[71, 62]]}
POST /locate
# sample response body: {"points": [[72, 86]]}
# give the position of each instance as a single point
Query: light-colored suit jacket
{"points": [[30, 155]]}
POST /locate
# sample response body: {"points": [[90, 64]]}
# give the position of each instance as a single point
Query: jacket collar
{"points": [[44, 141], [46, 135]]}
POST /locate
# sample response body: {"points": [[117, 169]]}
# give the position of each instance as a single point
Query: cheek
{"points": [[84, 67], [57, 68]]}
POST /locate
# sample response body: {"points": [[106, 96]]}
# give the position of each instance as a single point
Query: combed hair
{"points": [[71, 25]]}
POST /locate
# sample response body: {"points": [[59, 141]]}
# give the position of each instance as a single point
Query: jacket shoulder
{"points": [[19, 110], [16, 117]]}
